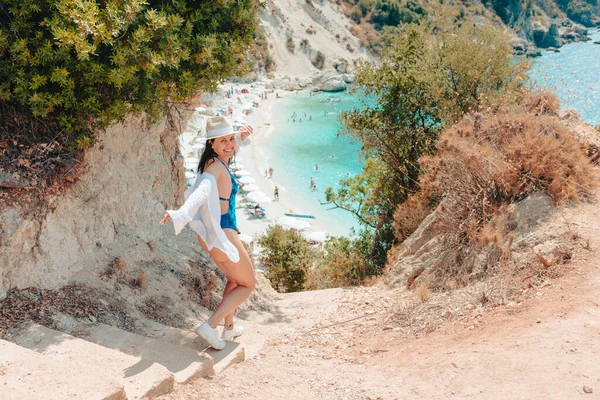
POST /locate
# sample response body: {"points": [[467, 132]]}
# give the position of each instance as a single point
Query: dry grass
{"points": [[138, 282], [201, 284], [116, 271], [161, 309], [485, 165], [409, 215], [423, 292], [412, 316], [541, 103]]}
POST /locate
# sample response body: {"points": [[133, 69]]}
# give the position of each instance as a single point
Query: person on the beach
{"points": [[209, 209], [276, 193], [312, 184], [316, 167], [270, 172]]}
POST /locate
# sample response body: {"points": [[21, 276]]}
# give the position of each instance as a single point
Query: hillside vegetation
{"points": [[544, 23], [454, 144], [69, 68]]}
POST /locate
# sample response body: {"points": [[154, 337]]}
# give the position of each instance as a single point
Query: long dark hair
{"points": [[208, 154]]}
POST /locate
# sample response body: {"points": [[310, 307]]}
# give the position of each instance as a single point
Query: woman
{"points": [[209, 209]]}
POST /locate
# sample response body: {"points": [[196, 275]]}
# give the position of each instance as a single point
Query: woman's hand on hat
{"points": [[166, 218], [246, 131]]}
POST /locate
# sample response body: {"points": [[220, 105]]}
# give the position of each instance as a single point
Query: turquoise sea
{"points": [[308, 138], [297, 146], [573, 74]]}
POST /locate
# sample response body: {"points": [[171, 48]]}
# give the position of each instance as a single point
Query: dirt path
{"points": [[335, 344]]}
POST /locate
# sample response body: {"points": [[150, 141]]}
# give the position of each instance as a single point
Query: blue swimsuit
{"points": [[228, 220]]}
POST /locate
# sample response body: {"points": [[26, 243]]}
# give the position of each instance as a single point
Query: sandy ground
{"points": [[341, 344]]}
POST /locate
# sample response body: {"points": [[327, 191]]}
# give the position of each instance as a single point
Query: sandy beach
{"points": [[251, 157]]}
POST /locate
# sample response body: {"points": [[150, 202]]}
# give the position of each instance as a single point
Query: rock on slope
{"points": [[297, 30], [541, 232], [104, 232]]}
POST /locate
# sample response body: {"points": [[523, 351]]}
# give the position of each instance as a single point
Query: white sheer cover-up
{"points": [[202, 212]]}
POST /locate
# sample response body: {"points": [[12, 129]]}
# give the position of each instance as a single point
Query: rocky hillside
{"points": [[304, 37], [99, 250], [525, 238]]}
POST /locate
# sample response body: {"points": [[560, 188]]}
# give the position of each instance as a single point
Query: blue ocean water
{"points": [[308, 138], [297, 146], [574, 75]]}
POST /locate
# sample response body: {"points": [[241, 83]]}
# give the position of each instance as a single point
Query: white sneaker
{"points": [[211, 335], [233, 333]]}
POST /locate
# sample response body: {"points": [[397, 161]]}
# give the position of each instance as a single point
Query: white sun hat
{"points": [[217, 127]]}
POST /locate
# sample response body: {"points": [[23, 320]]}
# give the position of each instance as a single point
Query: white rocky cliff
{"points": [[133, 172]]}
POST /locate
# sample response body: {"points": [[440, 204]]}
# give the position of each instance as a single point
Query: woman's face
{"points": [[224, 146]]}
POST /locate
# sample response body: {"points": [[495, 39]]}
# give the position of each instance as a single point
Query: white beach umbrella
{"points": [[236, 165], [285, 220], [257, 193], [291, 222], [198, 146], [319, 236], [250, 187], [300, 224], [191, 164], [190, 175], [241, 172], [258, 197], [244, 180]]}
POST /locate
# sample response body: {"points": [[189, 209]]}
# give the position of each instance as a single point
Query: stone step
{"points": [[141, 378], [233, 353], [26, 374], [183, 362]]}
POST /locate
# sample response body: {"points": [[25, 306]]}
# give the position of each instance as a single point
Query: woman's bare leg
{"points": [[242, 273], [230, 286]]}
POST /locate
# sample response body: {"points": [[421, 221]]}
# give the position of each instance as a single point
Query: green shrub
{"points": [[69, 67], [319, 60], [289, 43], [365, 6], [355, 14], [580, 11], [345, 262], [421, 83], [287, 256]]}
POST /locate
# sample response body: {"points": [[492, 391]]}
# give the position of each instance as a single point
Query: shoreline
{"points": [[253, 160]]}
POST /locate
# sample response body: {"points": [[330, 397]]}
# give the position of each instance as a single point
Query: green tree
{"points": [[69, 67], [343, 263], [394, 134], [287, 256], [422, 82]]}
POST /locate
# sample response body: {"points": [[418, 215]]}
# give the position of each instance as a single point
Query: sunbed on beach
{"points": [[300, 215]]}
